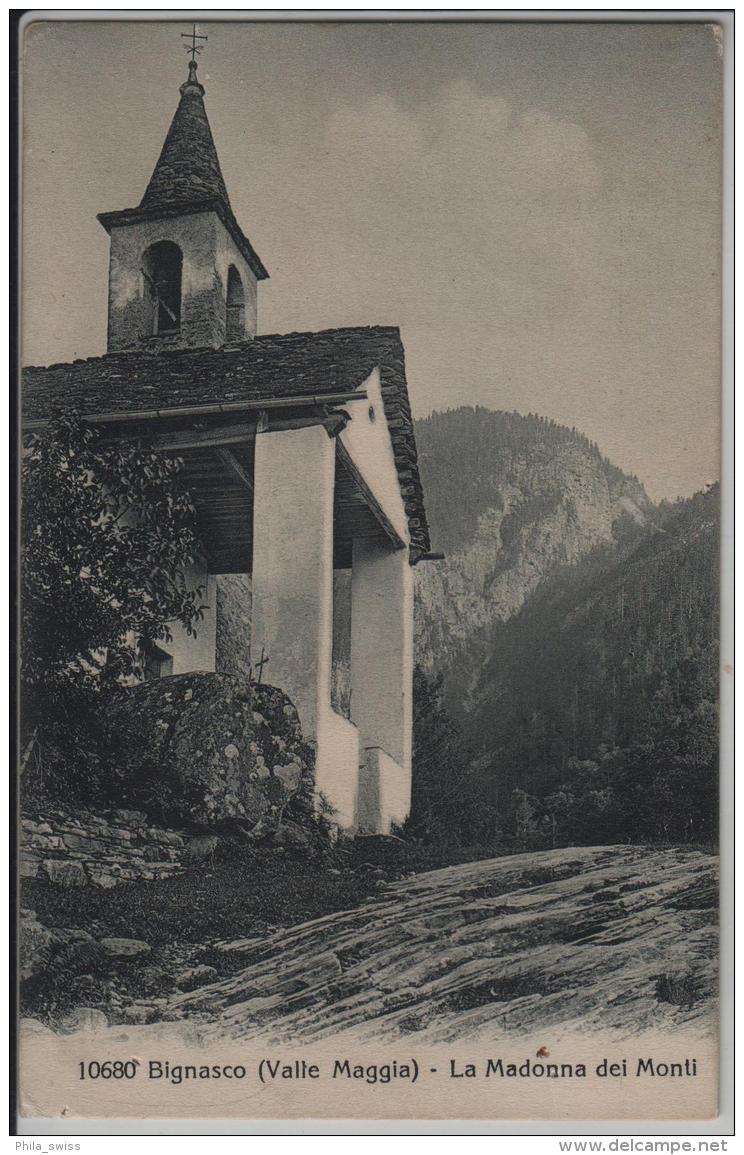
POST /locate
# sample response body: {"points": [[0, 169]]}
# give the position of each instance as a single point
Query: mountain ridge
{"points": [[510, 498]]}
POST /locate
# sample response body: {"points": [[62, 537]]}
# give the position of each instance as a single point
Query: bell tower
{"points": [[182, 274]]}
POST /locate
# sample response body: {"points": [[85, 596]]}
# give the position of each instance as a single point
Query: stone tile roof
{"points": [[274, 365], [188, 168], [187, 177]]}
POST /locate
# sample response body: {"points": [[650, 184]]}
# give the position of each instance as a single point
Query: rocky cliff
{"points": [[510, 499]]}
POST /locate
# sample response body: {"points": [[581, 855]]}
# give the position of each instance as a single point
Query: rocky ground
{"points": [[622, 939]]}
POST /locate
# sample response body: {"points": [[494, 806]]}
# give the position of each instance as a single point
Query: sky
{"points": [[536, 205]]}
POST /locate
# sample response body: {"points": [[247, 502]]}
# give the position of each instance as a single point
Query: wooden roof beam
{"points": [[205, 438], [228, 458]]}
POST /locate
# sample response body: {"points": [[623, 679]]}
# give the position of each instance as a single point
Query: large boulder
{"points": [[215, 749]]}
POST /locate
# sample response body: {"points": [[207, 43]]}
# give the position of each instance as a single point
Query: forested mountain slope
{"points": [[600, 696], [574, 627]]}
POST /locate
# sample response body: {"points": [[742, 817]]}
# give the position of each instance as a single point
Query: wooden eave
{"points": [[217, 471]]}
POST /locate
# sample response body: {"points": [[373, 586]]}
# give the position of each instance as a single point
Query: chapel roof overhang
{"points": [[142, 389]]}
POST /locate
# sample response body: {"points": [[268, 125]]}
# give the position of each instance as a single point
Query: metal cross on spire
{"points": [[192, 48]]}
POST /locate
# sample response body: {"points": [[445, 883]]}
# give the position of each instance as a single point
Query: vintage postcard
{"points": [[370, 529]]}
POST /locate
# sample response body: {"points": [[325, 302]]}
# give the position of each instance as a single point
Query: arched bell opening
{"points": [[161, 270], [235, 322]]}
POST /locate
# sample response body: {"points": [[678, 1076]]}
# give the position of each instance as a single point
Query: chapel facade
{"points": [[299, 455]]}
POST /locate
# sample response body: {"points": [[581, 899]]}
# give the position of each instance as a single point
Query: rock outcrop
{"points": [[216, 749], [619, 939]]}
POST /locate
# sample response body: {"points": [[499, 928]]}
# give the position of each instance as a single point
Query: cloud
{"points": [[455, 205], [521, 273], [469, 141]]}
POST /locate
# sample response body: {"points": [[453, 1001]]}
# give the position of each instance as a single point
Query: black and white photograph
{"points": [[370, 568]]}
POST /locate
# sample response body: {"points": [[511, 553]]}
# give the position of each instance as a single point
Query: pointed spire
{"points": [[188, 170], [187, 177]]}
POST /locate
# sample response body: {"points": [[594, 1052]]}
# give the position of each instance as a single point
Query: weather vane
{"points": [[193, 37]]}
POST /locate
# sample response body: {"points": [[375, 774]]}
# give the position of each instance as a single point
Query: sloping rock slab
{"points": [[619, 939]]}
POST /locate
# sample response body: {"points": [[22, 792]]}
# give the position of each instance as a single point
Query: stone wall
{"points": [[341, 654], [87, 848], [208, 251], [233, 647], [233, 651], [224, 756]]}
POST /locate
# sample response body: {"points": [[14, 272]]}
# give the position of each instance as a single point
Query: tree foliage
{"points": [[107, 534]]}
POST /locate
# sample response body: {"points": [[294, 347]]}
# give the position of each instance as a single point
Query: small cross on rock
{"points": [[259, 665]]}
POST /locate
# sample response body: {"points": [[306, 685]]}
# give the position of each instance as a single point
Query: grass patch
{"points": [[256, 890]]}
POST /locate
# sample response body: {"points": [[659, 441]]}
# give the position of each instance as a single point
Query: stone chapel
{"points": [[299, 455]]}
